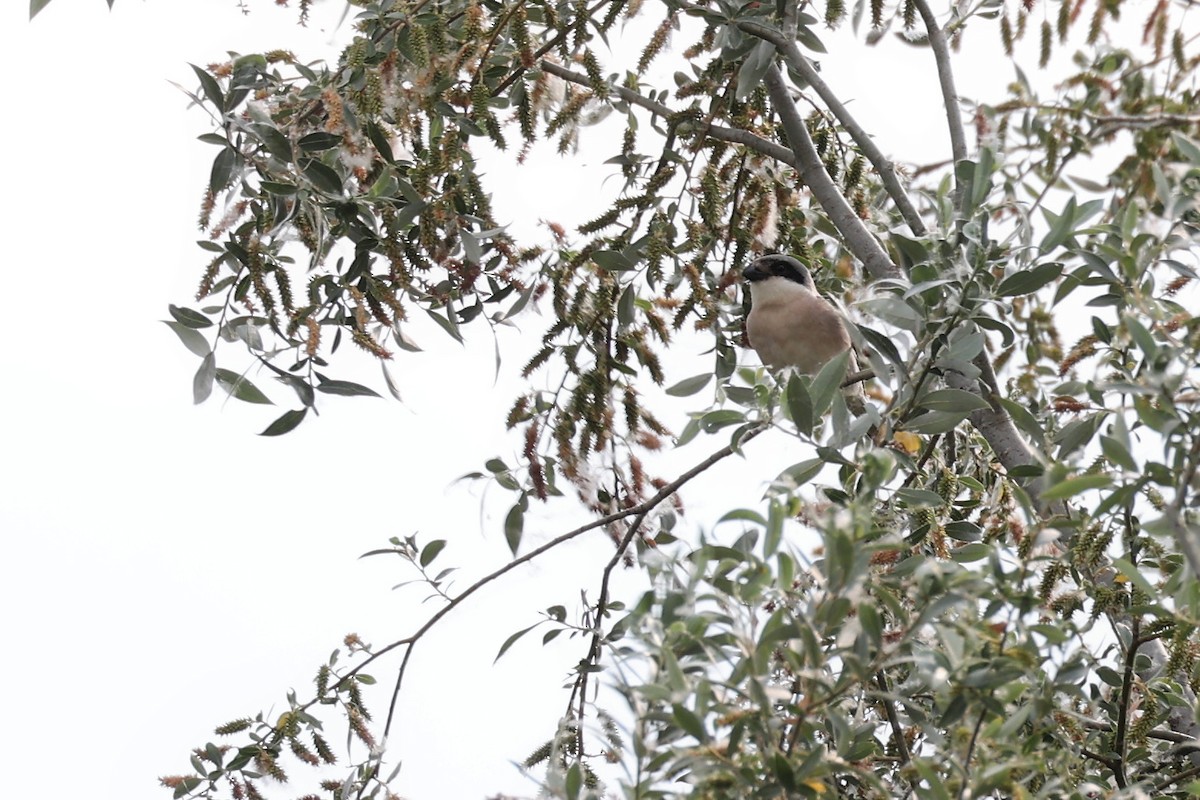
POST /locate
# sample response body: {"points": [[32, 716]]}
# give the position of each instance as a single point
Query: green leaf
{"points": [[285, 423], [445, 323], [933, 422], [280, 189], [828, 383], [191, 340], [689, 722], [202, 383], [1077, 434], [430, 551], [1187, 147], [953, 400], [273, 139], [892, 309], [223, 167], [916, 498], [574, 781], [799, 474], [189, 317], [324, 178], [212, 89], [346, 389], [514, 525], [689, 386], [613, 261], [800, 404], [241, 388], [1061, 226], [1073, 486], [753, 68], [970, 552], [321, 140], [713, 421], [511, 640], [1029, 281], [1025, 420], [1117, 453]]}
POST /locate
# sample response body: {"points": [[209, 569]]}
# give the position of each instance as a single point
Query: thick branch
{"points": [[941, 55], [860, 241], [883, 165]]}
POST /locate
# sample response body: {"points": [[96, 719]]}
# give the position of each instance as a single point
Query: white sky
{"points": [[165, 569]]}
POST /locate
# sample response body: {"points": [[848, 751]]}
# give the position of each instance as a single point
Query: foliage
{"points": [[1003, 599]]}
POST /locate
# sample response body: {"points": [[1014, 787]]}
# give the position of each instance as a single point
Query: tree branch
{"points": [[941, 55], [860, 241], [866, 144], [595, 647], [721, 133], [640, 511]]}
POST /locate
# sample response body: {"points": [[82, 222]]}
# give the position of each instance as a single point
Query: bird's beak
{"points": [[754, 272]]}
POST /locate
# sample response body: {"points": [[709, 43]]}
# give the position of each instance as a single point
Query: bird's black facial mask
{"points": [[784, 267]]}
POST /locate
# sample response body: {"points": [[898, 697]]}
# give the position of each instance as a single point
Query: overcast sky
{"points": [[165, 569]]}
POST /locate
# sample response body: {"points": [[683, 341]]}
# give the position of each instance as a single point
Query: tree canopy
{"points": [[984, 586]]}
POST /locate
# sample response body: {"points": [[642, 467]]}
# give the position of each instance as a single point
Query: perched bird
{"points": [[789, 324]]}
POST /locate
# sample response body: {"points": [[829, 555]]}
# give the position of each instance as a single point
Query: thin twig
{"points": [[1190, 772], [595, 648], [889, 708], [1119, 737], [966, 766], [719, 132], [640, 510]]}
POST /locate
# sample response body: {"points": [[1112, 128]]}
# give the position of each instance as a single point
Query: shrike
{"points": [[789, 324]]}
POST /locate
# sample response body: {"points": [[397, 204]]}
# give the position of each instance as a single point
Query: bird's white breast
{"points": [[790, 325]]}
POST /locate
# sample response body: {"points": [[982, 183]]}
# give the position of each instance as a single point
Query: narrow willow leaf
{"points": [[320, 140], [1077, 485], [202, 383], [514, 526], [952, 400], [613, 261], [430, 551], [212, 90], [1028, 281], [324, 178], [511, 640], [273, 139], [1117, 453], [285, 423], [689, 386], [192, 340], [800, 404], [346, 388], [241, 388], [189, 317], [828, 383], [223, 167]]}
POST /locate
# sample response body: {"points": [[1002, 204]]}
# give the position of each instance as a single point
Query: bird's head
{"points": [[775, 269]]}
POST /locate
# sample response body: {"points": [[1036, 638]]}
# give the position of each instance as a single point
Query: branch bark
{"points": [[866, 144], [941, 55], [865, 246]]}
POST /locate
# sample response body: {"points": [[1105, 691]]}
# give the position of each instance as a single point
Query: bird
{"points": [[789, 324]]}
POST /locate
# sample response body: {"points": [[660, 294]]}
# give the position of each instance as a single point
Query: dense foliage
{"points": [[1003, 598]]}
